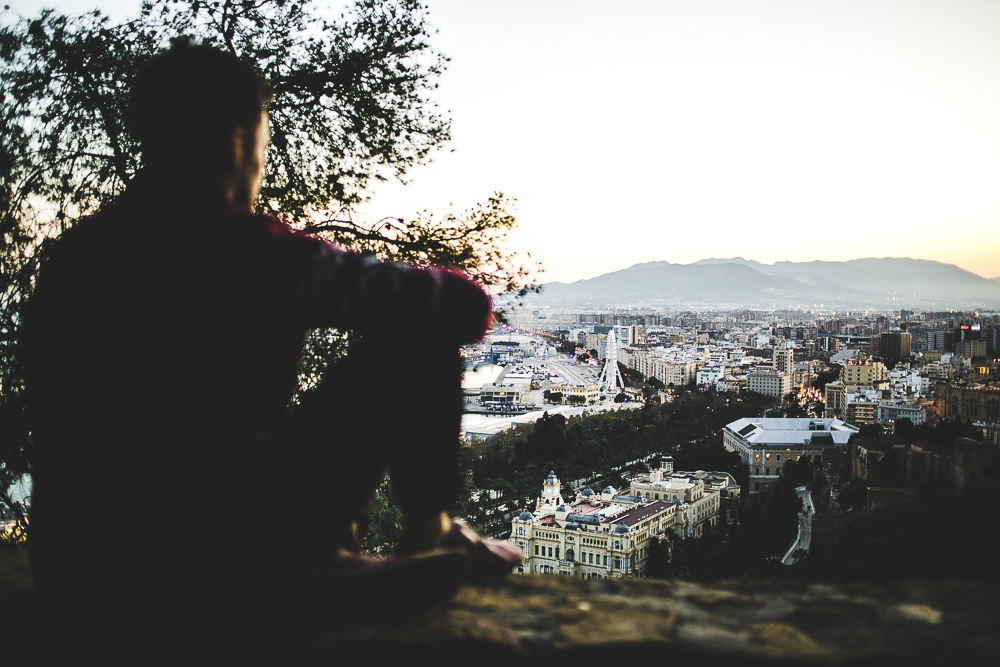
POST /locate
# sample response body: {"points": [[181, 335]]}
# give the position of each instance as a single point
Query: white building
{"points": [[803, 373], [770, 383], [501, 393], [668, 370], [710, 375], [861, 405], [698, 495], [783, 358], [767, 445], [890, 411], [597, 537], [608, 535]]}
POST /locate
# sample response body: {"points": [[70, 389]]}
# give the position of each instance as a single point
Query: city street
{"points": [[804, 536]]}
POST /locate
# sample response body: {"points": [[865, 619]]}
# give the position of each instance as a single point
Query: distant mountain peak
{"points": [[721, 260], [888, 283]]}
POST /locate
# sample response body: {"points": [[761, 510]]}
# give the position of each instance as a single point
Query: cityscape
{"points": [[846, 404]]}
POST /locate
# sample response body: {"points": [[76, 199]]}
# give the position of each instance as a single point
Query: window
{"points": [[557, 552], [536, 549]]}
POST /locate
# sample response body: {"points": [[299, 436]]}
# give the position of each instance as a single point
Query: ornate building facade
{"points": [[609, 534]]}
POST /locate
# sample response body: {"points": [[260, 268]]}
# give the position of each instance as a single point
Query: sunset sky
{"points": [[679, 130]]}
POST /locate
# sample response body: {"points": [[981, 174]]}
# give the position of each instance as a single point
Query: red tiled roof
{"points": [[637, 514], [583, 507]]}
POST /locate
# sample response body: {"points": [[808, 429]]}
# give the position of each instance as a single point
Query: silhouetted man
{"points": [[163, 340]]}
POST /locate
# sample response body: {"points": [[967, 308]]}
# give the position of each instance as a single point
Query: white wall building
{"points": [[593, 538], [770, 383], [710, 375], [608, 535], [767, 445], [783, 358], [890, 411]]}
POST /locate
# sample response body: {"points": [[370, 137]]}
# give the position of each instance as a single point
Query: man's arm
{"points": [[348, 290]]}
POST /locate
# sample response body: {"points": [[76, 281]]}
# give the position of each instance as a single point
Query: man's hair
{"points": [[190, 97]]}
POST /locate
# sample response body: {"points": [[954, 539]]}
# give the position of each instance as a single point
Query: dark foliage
{"points": [[829, 376], [753, 546], [940, 532], [352, 108], [598, 446]]}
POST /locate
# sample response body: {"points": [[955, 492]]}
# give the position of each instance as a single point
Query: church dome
{"points": [[526, 517]]}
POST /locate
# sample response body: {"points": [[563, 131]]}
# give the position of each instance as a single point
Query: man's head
{"points": [[199, 111]]}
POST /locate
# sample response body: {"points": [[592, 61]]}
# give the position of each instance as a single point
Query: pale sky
{"points": [[678, 130]]}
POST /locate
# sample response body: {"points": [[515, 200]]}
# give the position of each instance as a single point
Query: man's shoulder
{"points": [[136, 227], [268, 234]]}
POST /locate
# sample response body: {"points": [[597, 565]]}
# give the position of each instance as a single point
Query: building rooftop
{"points": [[584, 507], [637, 514], [765, 431], [591, 519], [627, 499]]}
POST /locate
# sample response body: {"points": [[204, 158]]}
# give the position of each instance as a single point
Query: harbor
{"points": [[499, 397]]}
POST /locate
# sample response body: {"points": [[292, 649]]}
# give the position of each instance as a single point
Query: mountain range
{"points": [[886, 283]]}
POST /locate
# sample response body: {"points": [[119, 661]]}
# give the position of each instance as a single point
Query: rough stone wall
{"points": [[521, 619], [531, 617]]}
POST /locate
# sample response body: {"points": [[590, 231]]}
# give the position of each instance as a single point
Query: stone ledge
{"points": [[543, 616], [756, 622]]}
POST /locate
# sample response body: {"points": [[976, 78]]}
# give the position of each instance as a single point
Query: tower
{"points": [[551, 497], [664, 471], [611, 372], [784, 358]]}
